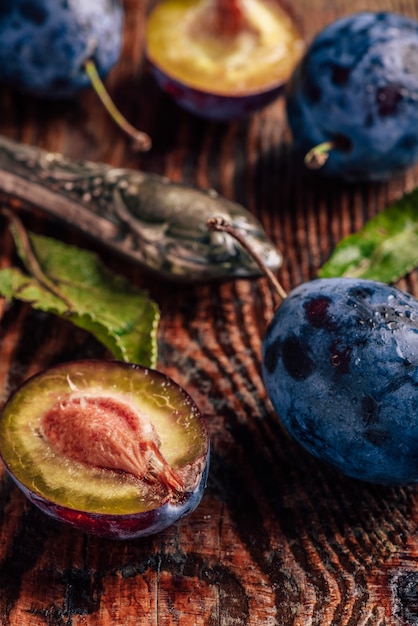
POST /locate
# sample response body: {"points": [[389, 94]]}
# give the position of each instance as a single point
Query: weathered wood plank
{"points": [[279, 539]]}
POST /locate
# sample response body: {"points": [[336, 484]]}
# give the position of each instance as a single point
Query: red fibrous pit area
{"points": [[111, 448], [107, 433]]}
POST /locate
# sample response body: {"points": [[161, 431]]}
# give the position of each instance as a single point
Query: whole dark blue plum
{"points": [[357, 86], [45, 43], [340, 364]]}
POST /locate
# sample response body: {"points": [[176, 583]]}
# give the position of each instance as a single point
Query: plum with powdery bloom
{"points": [[340, 363], [357, 88], [44, 44]]}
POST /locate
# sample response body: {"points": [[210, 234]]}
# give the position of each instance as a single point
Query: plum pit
{"points": [[109, 434]]}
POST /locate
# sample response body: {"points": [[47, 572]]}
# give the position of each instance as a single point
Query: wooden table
{"points": [[279, 538]]}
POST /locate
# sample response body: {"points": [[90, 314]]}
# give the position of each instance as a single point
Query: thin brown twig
{"points": [[220, 224]]}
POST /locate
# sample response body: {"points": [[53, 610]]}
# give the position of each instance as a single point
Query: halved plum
{"points": [[222, 59], [114, 449]]}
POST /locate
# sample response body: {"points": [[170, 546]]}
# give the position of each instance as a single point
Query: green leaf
{"points": [[385, 249], [78, 287]]}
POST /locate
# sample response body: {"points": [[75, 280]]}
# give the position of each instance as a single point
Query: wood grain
{"points": [[279, 539]]}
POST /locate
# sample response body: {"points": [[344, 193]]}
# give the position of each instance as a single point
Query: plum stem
{"points": [[318, 155], [30, 259], [219, 224], [141, 141]]}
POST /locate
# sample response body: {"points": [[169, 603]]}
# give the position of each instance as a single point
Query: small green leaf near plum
{"points": [[103, 303], [385, 249]]}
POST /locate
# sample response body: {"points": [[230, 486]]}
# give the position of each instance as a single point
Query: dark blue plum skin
{"points": [[340, 364], [358, 86], [45, 43]]}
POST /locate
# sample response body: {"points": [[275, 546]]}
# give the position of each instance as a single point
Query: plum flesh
{"points": [[222, 59], [357, 87], [340, 364], [111, 448]]}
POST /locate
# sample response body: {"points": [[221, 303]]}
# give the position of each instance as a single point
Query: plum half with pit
{"points": [[114, 449], [222, 59], [355, 94]]}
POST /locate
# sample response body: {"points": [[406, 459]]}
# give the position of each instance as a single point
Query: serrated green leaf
{"points": [[89, 295], [385, 249]]}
